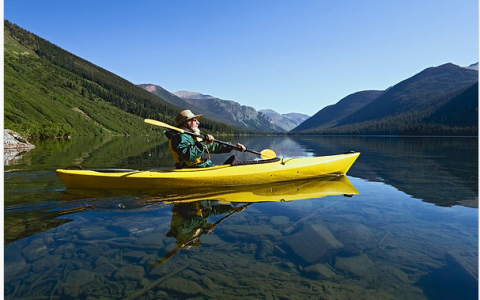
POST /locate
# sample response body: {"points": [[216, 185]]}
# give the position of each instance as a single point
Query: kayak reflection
{"points": [[275, 192]]}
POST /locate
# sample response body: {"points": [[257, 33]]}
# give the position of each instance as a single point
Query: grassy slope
{"points": [[43, 99], [51, 92]]}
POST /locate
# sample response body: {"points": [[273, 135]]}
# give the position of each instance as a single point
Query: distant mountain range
{"points": [[49, 92], [229, 112], [286, 121], [417, 105]]}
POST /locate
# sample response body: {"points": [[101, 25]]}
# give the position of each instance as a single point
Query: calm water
{"points": [[411, 232]]}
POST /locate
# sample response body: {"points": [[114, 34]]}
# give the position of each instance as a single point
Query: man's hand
{"points": [[209, 139], [240, 147]]}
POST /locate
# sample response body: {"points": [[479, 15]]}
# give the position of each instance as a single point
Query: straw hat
{"points": [[185, 115]]}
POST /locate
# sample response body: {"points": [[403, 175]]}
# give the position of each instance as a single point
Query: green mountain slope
{"points": [[51, 92]]}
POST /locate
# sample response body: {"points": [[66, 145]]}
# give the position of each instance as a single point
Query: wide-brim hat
{"points": [[185, 115]]}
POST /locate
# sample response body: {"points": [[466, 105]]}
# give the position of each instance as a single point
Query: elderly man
{"points": [[190, 152]]}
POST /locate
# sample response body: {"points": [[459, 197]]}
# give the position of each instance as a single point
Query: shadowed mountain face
{"points": [[330, 115], [408, 107], [419, 92]]}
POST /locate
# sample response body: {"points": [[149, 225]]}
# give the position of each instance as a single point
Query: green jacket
{"points": [[190, 153]]}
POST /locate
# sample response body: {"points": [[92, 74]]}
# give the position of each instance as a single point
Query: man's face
{"points": [[192, 124]]}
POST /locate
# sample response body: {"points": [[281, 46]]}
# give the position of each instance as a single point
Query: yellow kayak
{"points": [[262, 172]]}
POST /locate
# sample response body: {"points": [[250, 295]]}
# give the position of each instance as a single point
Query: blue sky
{"points": [[290, 56]]}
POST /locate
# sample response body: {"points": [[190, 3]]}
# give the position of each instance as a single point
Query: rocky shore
{"points": [[14, 145]]}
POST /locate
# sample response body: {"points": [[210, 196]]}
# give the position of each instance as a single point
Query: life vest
{"points": [[180, 163]]}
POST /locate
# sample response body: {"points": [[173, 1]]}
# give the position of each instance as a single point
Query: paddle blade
{"points": [[164, 125], [267, 154]]}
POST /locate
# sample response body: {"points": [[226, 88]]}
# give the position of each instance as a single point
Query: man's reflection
{"points": [[190, 221]]}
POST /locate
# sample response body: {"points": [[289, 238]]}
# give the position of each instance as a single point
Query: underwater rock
{"points": [[93, 250], [251, 231], [313, 243], [266, 248], [151, 239], [15, 264], [211, 239], [356, 239], [321, 270], [279, 220], [35, 250], [134, 255], [357, 265], [74, 281], [94, 233], [180, 285], [130, 273]]}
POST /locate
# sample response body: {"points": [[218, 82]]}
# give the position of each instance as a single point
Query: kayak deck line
{"points": [[277, 170]]}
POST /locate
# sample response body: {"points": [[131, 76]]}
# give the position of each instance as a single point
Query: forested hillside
{"points": [[50, 92]]}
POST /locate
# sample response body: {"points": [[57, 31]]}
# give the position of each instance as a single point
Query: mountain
{"points": [[286, 121], [457, 110], [416, 93], [328, 116], [49, 92], [192, 95], [473, 66], [229, 112], [165, 95], [224, 111], [408, 104]]}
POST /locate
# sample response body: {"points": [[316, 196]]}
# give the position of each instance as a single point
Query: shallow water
{"points": [[411, 232]]}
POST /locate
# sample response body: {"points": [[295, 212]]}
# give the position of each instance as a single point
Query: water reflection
{"points": [[387, 242], [443, 171], [190, 222], [29, 219]]}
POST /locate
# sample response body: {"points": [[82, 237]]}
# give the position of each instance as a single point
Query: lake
{"points": [[409, 229]]}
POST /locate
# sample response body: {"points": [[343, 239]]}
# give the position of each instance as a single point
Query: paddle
{"points": [[265, 154]]}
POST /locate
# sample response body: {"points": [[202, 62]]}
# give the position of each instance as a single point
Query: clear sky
{"points": [[290, 56]]}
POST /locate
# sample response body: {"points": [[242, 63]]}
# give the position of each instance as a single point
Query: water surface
{"points": [[410, 231]]}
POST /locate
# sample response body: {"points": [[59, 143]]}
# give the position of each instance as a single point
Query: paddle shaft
{"points": [[220, 142], [269, 153]]}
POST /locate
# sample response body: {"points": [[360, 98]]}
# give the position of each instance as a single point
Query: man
{"points": [[190, 152]]}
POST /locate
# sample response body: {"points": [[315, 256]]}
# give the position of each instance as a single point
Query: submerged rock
{"points": [[313, 243], [130, 273], [358, 265], [321, 270], [356, 239], [182, 286]]}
